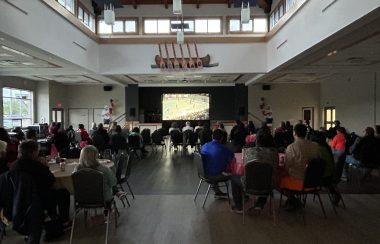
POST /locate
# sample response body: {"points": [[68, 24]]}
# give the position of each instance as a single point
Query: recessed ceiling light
{"points": [[170, 76], [28, 63], [197, 76]]}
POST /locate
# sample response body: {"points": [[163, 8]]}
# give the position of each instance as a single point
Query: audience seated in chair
{"points": [[216, 158], [118, 141], [264, 152], [297, 156], [100, 138], [205, 134]]}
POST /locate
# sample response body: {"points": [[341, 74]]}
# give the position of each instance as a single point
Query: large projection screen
{"points": [[185, 106]]}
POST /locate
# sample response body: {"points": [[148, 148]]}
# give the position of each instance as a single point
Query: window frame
{"points": [[90, 15], [19, 117], [74, 7], [135, 19], [333, 118], [228, 31]]}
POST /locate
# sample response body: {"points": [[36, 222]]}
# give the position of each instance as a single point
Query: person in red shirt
{"points": [[338, 144]]}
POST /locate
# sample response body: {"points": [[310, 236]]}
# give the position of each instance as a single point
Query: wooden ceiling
{"points": [[264, 4]]}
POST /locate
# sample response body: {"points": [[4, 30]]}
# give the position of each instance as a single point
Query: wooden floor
{"points": [[164, 212]]}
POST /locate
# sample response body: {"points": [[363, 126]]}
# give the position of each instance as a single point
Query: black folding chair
{"points": [[176, 138], [134, 144], [123, 172], [88, 194], [203, 178], [312, 184], [121, 162], [158, 140], [258, 181]]}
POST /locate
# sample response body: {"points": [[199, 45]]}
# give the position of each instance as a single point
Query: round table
{"points": [[63, 178]]}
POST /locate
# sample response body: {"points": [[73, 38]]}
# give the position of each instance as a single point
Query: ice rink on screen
{"points": [[185, 106]]}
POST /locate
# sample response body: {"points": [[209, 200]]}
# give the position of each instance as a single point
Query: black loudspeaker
{"points": [[241, 111], [132, 112], [266, 87], [107, 88]]}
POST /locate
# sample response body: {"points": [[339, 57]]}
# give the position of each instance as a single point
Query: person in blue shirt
{"points": [[216, 157]]}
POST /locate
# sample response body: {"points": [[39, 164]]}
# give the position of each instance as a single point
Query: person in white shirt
{"points": [[187, 127], [106, 115]]}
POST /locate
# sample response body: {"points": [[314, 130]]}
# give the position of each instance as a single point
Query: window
{"points": [[212, 25], [86, 17], [121, 26], [157, 26], [279, 11], [17, 107], [329, 117], [255, 25], [68, 4]]}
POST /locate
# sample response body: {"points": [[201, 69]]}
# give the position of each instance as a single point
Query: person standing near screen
{"points": [[106, 116]]}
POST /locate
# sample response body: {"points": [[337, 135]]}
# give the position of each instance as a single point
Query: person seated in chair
{"points": [[89, 159], [187, 127], [366, 152], [216, 159], [136, 132], [118, 141], [28, 162], [297, 156], [264, 152], [174, 126], [205, 134]]}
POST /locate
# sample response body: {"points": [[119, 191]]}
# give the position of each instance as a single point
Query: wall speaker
{"points": [[107, 88], [132, 112], [266, 87]]}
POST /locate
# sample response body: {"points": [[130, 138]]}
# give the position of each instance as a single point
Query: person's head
{"points": [[136, 130], [282, 124], [118, 129], [341, 130], [187, 123], [28, 150], [206, 125], [337, 123], [3, 149], [174, 125], [300, 131], [100, 126], [81, 126], [307, 122], [114, 124], [59, 125], [53, 124], [4, 136], [89, 157], [31, 135], [264, 139], [106, 107], [199, 123], [238, 122], [318, 137], [287, 124], [220, 125], [217, 135], [70, 127], [250, 123], [369, 131]]}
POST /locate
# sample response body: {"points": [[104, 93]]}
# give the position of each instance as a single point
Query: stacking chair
{"points": [[88, 194], [121, 163], [123, 172], [312, 184], [176, 138], [158, 140], [258, 181], [134, 144], [203, 178], [145, 133]]}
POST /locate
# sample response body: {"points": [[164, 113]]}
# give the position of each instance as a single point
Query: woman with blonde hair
{"points": [[89, 159]]}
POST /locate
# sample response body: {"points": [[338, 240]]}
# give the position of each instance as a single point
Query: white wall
{"points": [[286, 101], [355, 99], [43, 28], [137, 58], [93, 96], [310, 25]]}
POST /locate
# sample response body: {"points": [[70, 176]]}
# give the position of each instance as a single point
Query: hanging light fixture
{"points": [[177, 7], [245, 14], [109, 14], [180, 37]]}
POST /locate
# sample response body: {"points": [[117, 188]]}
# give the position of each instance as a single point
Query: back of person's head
{"points": [[282, 124], [31, 134], [206, 126], [199, 123], [59, 125], [264, 139], [300, 130], [3, 149], [70, 127], [100, 126], [341, 130], [187, 123], [93, 125], [287, 124], [174, 125], [28, 150], [118, 129], [81, 126], [4, 136], [337, 123], [217, 135], [136, 130], [53, 124], [89, 157], [250, 122], [369, 131], [318, 137]]}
